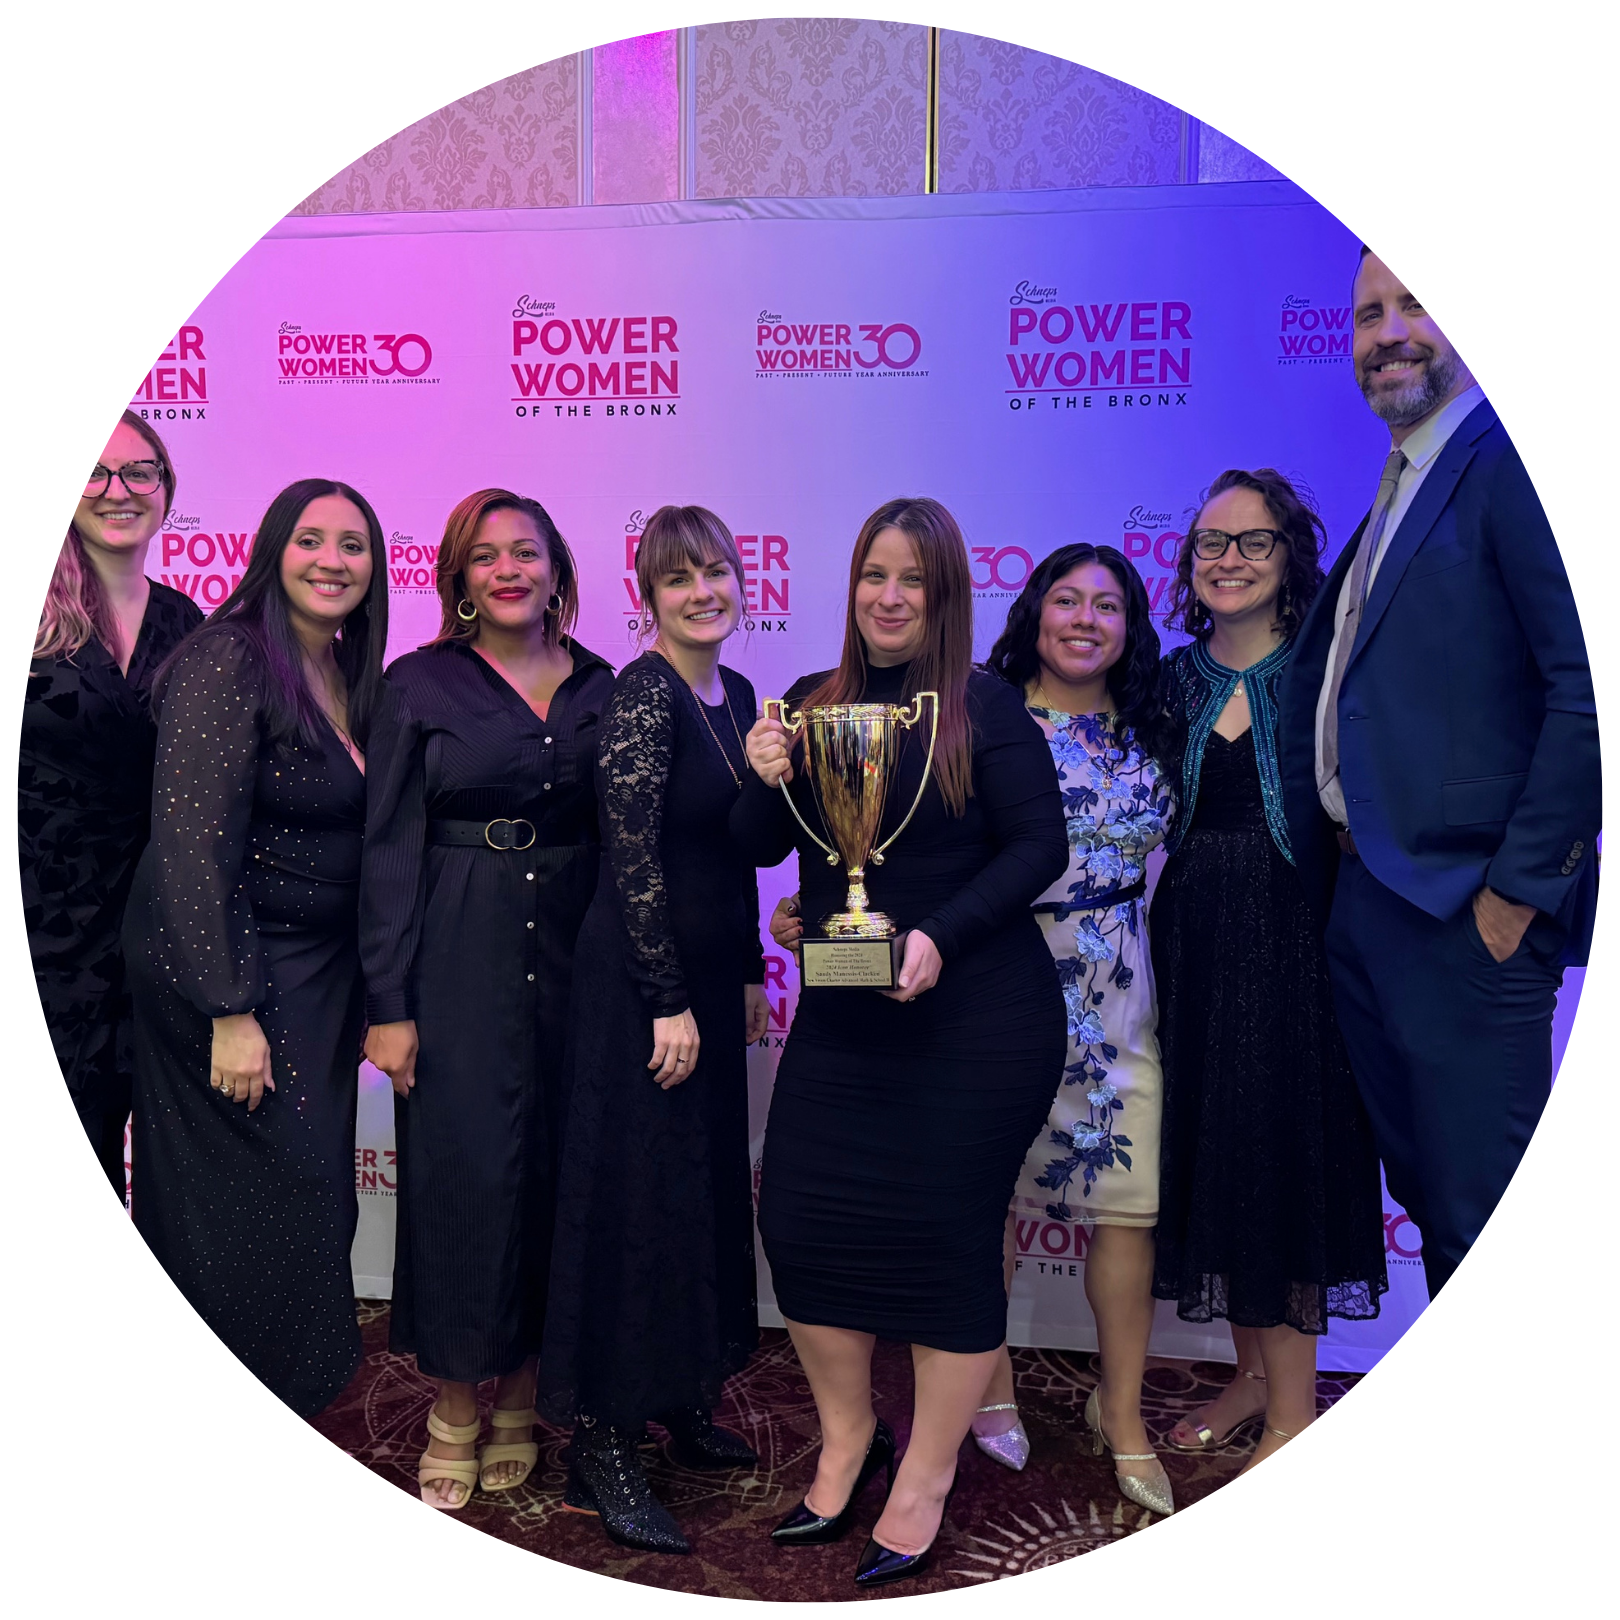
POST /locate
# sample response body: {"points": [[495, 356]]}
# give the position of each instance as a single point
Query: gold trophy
{"points": [[850, 752]]}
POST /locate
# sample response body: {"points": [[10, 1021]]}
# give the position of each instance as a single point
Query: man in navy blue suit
{"points": [[1437, 726]]}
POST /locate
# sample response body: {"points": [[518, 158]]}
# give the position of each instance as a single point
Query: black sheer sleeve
{"points": [[1016, 784], [633, 762], [393, 869], [209, 737]]}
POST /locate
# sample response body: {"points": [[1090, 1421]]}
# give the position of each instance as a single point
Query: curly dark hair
{"points": [[1133, 681], [1293, 510]]}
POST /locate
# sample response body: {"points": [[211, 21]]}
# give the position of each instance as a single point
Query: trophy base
{"points": [[834, 962]]}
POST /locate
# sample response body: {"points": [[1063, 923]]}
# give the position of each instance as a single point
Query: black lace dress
{"points": [[652, 1302], [476, 944], [246, 900], [1269, 1207], [84, 801]]}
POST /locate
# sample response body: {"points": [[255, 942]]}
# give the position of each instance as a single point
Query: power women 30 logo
{"points": [[785, 348], [176, 388], [598, 366], [1313, 334], [325, 358]]}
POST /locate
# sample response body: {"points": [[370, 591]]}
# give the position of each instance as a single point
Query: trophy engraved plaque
{"points": [[851, 751]]}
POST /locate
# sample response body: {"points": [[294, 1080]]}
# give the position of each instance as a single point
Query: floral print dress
{"points": [[1097, 1160]]}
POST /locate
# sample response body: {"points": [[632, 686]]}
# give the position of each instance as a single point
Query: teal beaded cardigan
{"points": [[1196, 689]]}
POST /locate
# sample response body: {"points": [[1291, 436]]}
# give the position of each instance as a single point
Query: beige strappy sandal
{"points": [[459, 1470], [1208, 1440], [526, 1452]]}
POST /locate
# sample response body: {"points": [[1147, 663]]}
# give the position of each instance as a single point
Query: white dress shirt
{"points": [[1422, 445]]}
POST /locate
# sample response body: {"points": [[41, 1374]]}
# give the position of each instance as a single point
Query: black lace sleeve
{"points": [[633, 761], [752, 947], [762, 824], [393, 871], [202, 803]]}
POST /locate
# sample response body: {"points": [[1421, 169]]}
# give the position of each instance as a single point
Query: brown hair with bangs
{"points": [[946, 658], [674, 537], [461, 532]]}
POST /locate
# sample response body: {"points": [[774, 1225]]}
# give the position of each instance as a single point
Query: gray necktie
{"points": [[1360, 573]]}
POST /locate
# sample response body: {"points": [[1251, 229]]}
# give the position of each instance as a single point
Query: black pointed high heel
{"points": [[880, 1565], [805, 1528]]}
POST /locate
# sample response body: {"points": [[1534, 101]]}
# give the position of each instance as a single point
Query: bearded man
{"points": [[1439, 749]]}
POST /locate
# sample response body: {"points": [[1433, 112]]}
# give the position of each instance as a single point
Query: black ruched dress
{"points": [[246, 901], [897, 1129], [1268, 1189], [652, 1303], [476, 944]]}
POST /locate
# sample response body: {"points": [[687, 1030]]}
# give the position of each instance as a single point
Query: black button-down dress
{"points": [[477, 944]]}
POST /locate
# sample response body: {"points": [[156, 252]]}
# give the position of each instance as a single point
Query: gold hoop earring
{"points": [[466, 612], [555, 604]]}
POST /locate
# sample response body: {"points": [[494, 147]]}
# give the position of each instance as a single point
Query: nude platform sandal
{"points": [[461, 1470], [526, 1452]]}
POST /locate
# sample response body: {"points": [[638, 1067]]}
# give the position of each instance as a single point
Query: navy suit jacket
{"points": [[1468, 738]]}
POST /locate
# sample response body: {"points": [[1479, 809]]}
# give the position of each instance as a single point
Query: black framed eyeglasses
{"points": [[1255, 544], [138, 477]]}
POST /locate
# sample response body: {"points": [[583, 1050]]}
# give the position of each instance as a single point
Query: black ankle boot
{"points": [[605, 1477], [697, 1441]]}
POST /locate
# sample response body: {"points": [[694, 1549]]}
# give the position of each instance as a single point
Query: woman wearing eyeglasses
{"points": [[85, 783], [480, 862], [1269, 1207]]}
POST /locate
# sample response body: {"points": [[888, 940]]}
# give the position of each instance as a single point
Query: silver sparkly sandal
{"points": [[1153, 1494], [1010, 1448]]}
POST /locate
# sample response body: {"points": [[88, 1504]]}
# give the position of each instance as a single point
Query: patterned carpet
{"points": [[997, 1524]]}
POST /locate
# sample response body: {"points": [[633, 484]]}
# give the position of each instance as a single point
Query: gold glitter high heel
{"points": [[1153, 1494]]}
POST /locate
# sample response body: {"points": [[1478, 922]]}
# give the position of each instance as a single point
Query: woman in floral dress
{"points": [[1080, 643]]}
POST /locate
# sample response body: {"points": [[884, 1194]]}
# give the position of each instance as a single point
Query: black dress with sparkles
{"points": [[476, 944], [652, 1304], [246, 901], [1269, 1207], [84, 799], [898, 1129]]}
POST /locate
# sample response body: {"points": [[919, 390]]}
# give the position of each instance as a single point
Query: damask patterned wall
{"points": [[794, 106], [810, 107], [509, 145]]}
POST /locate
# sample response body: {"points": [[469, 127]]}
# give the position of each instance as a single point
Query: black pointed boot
{"points": [[697, 1441], [605, 1477]]}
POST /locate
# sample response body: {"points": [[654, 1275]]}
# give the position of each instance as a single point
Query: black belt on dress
{"points": [[502, 834], [1115, 897]]}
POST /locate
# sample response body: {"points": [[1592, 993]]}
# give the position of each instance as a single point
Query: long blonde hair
{"points": [[75, 604]]}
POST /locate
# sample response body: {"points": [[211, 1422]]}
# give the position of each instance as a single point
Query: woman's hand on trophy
{"points": [[919, 970], [239, 1060], [768, 746], [787, 926], [675, 1049], [392, 1048], [756, 1013]]}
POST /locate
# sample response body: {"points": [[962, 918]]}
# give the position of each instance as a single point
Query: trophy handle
{"points": [[793, 727], [908, 721]]}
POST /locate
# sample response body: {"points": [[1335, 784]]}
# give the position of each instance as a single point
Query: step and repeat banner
{"points": [[1054, 367]]}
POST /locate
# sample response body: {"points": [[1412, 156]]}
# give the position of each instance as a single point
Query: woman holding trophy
{"points": [[652, 1298], [901, 1115]]}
